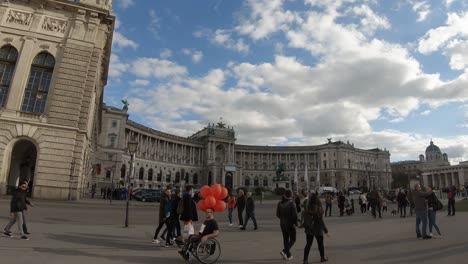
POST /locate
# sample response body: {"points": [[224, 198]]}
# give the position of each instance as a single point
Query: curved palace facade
{"points": [[212, 156]]}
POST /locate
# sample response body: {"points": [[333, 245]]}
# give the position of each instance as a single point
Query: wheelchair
{"points": [[206, 252]]}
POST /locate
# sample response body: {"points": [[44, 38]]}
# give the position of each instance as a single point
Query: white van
{"points": [[327, 189]]}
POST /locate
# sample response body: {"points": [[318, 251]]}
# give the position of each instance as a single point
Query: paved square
{"points": [[91, 231]]}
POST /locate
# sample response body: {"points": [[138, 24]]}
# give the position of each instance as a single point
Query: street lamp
{"points": [[368, 168], [132, 148]]}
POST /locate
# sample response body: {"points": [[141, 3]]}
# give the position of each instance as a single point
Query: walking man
{"points": [[250, 211], [328, 204], [17, 206], [287, 213], [231, 206], [240, 205], [420, 209], [451, 200]]}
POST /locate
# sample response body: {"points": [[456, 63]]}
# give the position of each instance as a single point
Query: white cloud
{"points": [[140, 82], [116, 67], [157, 68], [165, 54], [265, 18], [422, 9], [195, 55], [425, 113], [120, 41], [154, 24], [126, 3], [370, 21], [223, 38]]}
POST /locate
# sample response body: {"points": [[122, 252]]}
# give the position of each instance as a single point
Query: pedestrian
{"points": [[240, 205], [176, 230], [250, 211], [93, 191], [375, 201], [384, 206], [451, 200], [314, 227], [297, 202], [420, 209], [188, 214], [432, 204], [363, 203], [231, 206], [287, 213], [402, 202], [328, 204], [17, 206], [341, 203], [164, 214], [304, 203]]}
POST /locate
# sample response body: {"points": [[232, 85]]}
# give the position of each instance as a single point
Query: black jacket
{"points": [[18, 201], [190, 208], [432, 201], [286, 212], [250, 205], [240, 204]]}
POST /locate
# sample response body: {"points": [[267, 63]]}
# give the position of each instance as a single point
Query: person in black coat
{"points": [[17, 206], [287, 213], [402, 202], [314, 227], [240, 205], [250, 211], [341, 203]]}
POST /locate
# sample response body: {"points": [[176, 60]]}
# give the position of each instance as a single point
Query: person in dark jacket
{"points": [[297, 201], [250, 211], [341, 203], [402, 201], [189, 212], [287, 213], [174, 216], [420, 209], [431, 212], [164, 209], [375, 199], [451, 193], [17, 206], [240, 205], [314, 227]]}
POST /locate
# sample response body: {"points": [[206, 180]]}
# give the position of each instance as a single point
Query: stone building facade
{"points": [[212, 156], [54, 58], [433, 169]]}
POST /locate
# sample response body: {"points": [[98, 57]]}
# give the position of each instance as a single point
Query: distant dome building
{"points": [[434, 168]]}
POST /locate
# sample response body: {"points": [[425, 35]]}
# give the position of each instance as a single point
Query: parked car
{"points": [[327, 189], [148, 195]]}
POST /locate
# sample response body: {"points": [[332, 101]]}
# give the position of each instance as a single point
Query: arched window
{"points": [[195, 178], [265, 181], [8, 56], [123, 170], [159, 176], [256, 181], [37, 89], [247, 181], [177, 177], [141, 174], [150, 174]]}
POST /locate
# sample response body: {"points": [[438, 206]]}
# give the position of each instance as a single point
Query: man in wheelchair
{"points": [[209, 229]]}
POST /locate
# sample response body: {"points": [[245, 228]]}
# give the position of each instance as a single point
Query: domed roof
{"points": [[432, 148]]}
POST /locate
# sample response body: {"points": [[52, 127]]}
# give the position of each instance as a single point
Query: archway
{"points": [[228, 181], [22, 165]]}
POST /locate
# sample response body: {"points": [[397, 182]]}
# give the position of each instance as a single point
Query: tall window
{"points": [[247, 181], [141, 174], [112, 138], [35, 95], [8, 56], [150, 174]]}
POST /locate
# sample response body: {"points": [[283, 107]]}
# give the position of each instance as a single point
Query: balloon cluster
{"points": [[214, 197]]}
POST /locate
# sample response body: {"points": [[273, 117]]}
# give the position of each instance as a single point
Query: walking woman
{"points": [[431, 212], [314, 227], [231, 206], [240, 205]]}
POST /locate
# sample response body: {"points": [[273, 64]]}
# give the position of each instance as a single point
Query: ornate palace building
{"points": [[434, 169], [212, 156], [54, 57]]}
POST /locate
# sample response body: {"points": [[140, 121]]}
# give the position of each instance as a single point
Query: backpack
{"points": [[450, 195]]}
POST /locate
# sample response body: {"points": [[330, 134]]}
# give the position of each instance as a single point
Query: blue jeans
{"points": [[432, 221], [421, 217], [230, 214]]}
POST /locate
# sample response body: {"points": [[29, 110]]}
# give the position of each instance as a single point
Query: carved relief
{"points": [[16, 17], [54, 25]]}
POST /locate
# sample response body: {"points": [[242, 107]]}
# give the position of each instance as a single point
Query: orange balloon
{"points": [[205, 191], [210, 202], [220, 206], [216, 191], [224, 193], [201, 205]]}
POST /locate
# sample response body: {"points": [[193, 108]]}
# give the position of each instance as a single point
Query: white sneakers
{"points": [[231, 224], [155, 241]]}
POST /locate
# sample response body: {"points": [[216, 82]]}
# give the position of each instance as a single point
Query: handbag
{"points": [[188, 230], [438, 206]]}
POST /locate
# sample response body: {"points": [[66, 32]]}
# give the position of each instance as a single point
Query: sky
{"points": [[386, 74]]}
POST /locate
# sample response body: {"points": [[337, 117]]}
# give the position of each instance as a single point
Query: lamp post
{"points": [[368, 167], [132, 148]]}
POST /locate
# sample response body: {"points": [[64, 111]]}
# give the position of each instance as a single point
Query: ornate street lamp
{"points": [[132, 148]]}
